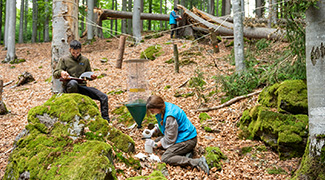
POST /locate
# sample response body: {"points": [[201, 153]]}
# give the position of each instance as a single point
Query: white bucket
{"points": [[148, 148]]}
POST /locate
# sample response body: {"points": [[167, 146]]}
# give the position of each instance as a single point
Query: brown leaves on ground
{"points": [[252, 165]]}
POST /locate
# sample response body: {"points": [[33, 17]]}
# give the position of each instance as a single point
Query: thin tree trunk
{"points": [[116, 19], [160, 10], [211, 7], [11, 52], [129, 30], [82, 23], [46, 24], [35, 14], [124, 21], [136, 21], [150, 11], [26, 15], [165, 13], [90, 17], [238, 36], [258, 6], [21, 22], [112, 21], [6, 25], [65, 29]]}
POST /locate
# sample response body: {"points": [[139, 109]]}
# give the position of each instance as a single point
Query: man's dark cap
{"points": [[176, 9]]}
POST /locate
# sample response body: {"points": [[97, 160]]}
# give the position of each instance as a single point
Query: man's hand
{"points": [[94, 76], [65, 74]]}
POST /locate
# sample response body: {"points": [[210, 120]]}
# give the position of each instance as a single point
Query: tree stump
{"points": [[3, 109]]}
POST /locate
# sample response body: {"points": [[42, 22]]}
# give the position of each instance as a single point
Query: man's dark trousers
{"points": [[173, 27], [73, 87]]}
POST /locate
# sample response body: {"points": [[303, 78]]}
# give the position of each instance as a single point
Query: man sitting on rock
{"points": [[72, 66]]}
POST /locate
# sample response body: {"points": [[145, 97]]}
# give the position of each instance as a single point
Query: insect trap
{"points": [[137, 89]]}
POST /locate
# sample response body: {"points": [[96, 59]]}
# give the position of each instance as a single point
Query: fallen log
{"points": [[249, 32], [105, 14], [231, 101]]}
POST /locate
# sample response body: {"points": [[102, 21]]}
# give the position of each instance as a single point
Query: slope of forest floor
{"points": [[256, 164]]}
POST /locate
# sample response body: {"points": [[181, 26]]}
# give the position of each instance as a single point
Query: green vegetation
{"points": [[275, 170], [245, 150], [152, 52], [214, 156]]}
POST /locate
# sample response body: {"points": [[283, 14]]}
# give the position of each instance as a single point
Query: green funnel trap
{"points": [[137, 89], [138, 111]]}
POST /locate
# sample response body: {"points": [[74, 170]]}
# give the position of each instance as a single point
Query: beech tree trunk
{"points": [[1, 11], [11, 52], [21, 22], [46, 24], [238, 36], [315, 55], [90, 17], [35, 19], [123, 25], [5, 39], [136, 21], [129, 29], [65, 29]]}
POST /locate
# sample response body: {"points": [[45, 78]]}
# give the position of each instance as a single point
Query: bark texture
{"points": [[65, 29]]}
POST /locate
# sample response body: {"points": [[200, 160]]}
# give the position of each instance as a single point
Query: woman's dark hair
{"points": [[155, 102], [176, 9], [74, 44]]}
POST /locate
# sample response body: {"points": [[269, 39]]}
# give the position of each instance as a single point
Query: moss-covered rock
{"points": [[288, 96], [311, 167], [285, 133], [65, 138], [214, 156], [152, 52]]}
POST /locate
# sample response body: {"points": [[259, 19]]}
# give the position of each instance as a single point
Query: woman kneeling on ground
{"points": [[180, 136]]}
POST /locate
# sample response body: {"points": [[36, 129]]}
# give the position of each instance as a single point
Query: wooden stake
{"points": [[121, 52], [176, 58], [1, 87], [214, 41]]}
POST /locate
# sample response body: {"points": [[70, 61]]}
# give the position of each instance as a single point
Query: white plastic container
{"points": [[148, 148]]}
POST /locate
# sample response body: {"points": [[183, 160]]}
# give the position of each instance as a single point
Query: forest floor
{"points": [[253, 165]]}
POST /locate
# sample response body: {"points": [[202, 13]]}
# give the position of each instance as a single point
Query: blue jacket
{"points": [[186, 129], [173, 17]]}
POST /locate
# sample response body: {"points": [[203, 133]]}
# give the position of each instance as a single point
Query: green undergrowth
{"points": [[266, 64]]}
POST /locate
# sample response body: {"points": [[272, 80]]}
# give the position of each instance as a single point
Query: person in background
{"points": [[180, 136], [173, 17], [72, 66]]}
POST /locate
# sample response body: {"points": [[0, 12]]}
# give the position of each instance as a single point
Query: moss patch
{"points": [[151, 52], [288, 96], [311, 167]]}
